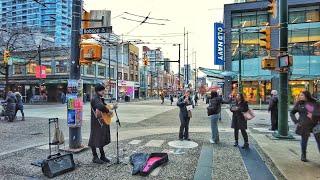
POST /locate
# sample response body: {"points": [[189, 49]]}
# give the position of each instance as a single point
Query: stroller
{"points": [[3, 109]]}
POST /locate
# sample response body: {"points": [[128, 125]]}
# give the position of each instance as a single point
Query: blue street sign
{"points": [[218, 44]]}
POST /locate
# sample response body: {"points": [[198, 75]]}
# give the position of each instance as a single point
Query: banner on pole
{"points": [[218, 44]]}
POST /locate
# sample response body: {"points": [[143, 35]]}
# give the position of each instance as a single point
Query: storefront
{"points": [[129, 88]]}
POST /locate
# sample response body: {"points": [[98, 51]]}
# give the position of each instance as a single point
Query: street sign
{"points": [[97, 30]]}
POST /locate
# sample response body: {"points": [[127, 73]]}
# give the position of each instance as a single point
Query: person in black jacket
{"points": [[305, 107], [99, 132], [273, 108], [215, 102], [184, 115], [238, 120]]}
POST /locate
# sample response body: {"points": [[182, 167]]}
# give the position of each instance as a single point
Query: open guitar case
{"points": [[144, 164]]}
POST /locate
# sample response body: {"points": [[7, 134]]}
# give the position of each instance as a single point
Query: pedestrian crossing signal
{"points": [[268, 63]]}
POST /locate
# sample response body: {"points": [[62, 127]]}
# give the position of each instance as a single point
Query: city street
{"points": [[25, 140]]}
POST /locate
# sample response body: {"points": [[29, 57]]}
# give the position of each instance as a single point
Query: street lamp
{"points": [[38, 40]]}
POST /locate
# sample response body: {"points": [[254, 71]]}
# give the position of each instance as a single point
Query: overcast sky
{"points": [[197, 16]]}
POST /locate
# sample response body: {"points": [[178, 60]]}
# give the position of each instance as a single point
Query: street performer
{"points": [[99, 132]]}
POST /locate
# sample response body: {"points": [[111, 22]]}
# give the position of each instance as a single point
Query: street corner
{"points": [[182, 160]]}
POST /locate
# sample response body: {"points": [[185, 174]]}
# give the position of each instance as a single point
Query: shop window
{"points": [[131, 77], [101, 71], [136, 78], [125, 76], [31, 67], [18, 69], [91, 69], [48, 66], [119, 75], [61, 66]]}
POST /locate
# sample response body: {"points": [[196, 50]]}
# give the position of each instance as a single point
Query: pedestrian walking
{"points": [[99, 132], [214, 109], [238, 120], [10, 110], [184, 102], [162, 98], [273, 108], [19, 105], [171, 99], [63, 97], [306, 107], [196, 98]]}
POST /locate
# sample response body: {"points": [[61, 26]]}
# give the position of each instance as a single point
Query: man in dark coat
{"points": [[184, 115], [273, 108], [238, 120], [19, 105], [99, 132]]}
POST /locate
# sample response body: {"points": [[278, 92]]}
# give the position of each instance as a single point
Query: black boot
{"points": [[236, 144], [97, 160], [304, 157], [104, 159], [245, 146]]}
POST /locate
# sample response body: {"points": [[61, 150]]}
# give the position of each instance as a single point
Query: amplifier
{"points": [[58, 164]]}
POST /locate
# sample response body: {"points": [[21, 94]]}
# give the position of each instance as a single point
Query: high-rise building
{"points": [[51, 17]]}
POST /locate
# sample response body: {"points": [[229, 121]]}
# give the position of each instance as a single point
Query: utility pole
{"points": [[179, 61], [109, 68], [195, 73], [240, 63], [283, 98], [187, 58], [117, 57], [75, 132], [184, 55]]}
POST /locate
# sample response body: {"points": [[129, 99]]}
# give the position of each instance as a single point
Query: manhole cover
{"points": [[183, 144]]}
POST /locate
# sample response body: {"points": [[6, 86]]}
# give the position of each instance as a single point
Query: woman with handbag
{"points": [[307, 121], [99, 132], [238, 120]]}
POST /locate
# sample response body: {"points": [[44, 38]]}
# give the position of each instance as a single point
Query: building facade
{"points": [[303, 37], [50, 16]]}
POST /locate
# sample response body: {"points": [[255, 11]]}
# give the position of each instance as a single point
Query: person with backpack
{"points": [[19, 105], [238, 120], [308, 111], [214, 110]]}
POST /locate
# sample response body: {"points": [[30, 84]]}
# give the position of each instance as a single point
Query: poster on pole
{"points": [[219, 44], [74, 103]]}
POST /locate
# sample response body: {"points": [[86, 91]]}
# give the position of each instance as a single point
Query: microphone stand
{"points": [[118, 124]]}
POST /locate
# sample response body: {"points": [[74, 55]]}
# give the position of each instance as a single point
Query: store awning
{"points": [[215, 73]]}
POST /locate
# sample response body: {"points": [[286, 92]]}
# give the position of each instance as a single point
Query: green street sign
{"points": [[15, 59]]}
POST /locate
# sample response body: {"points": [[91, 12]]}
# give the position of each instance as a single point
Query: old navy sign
{"points": [[218, 44]]}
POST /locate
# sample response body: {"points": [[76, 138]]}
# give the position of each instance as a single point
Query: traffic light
{"points": [[90, 52], [268, 63], [145, 61], [6, 56], [267, 39], [272, 8]]}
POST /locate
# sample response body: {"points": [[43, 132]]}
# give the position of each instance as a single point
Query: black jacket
{"points": [[183, 106], [216, 103], [99, 135], [304, 121], [238, 121]]}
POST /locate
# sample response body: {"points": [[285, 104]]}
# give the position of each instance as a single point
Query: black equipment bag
{"points": [[58, 164]]}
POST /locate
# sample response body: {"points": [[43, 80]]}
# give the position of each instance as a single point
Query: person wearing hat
{"points": [[99, 132], [273, 108]]}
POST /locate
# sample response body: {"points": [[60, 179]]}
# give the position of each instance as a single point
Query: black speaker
{"points": [[58, 164]]}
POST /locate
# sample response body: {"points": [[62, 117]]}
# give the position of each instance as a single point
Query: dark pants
{"points": [[304, 143], [244, 135], [274, 120], [22, 113], [94, 152], [184, 128]]}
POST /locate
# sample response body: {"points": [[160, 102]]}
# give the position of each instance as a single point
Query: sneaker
{"points": [[187, 139], [245, 146], [97, 160], [304, 158], [235, 144], [212, 141], [180, 139], [104, 159]]}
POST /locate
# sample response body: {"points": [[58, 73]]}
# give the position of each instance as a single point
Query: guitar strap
{"points": [[98, 119]]}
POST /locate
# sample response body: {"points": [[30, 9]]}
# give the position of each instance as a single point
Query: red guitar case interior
{"points": [[155, 160]]}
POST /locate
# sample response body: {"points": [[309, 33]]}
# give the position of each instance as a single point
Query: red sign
{"points": [[41, 72]]}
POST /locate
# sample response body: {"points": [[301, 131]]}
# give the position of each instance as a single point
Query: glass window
{"points": [[48, 66], [125, 76], [18, 69], [111, 72], [91, 69], [31, 67], [262, 19], [101, 71], [119, 75], [296, 17], [61, 66]]}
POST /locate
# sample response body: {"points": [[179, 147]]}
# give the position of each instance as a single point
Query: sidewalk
{"points": [[285, 154]]}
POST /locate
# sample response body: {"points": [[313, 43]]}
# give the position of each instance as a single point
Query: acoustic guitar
{"points": [[106, 117]]}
